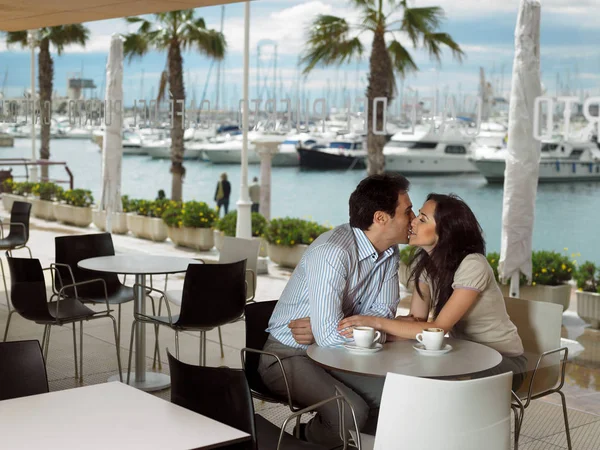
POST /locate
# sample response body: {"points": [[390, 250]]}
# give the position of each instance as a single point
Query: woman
{"points": [[456, 287]]}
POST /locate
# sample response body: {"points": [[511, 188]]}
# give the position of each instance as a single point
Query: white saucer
{"points": [[421, 349], [353, 348]]}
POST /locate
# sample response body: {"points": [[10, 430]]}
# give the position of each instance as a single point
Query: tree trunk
{"points": [[380, 85], [45, 77], [177, 90]]}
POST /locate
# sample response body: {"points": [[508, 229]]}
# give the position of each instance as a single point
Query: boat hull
{"points": [[550, 171], [315, 159], [410, 164]]}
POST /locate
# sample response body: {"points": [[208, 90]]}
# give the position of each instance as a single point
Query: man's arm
{"points": [[326, 276]]}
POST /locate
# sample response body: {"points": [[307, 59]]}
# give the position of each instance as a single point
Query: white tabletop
{"points": [[135, 264], [400, 357], [105, 416]]}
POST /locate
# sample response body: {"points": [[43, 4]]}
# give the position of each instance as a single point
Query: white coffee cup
{"points": [[431, 338], [365, 336]]}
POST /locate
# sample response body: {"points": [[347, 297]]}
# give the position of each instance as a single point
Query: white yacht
{"points": [[561, 160], [429, 151], [345, 152], [227, 149], [287, 156]]}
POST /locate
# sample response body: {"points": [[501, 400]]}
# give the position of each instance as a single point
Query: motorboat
{"points": [[561, 160], [345, 152]]}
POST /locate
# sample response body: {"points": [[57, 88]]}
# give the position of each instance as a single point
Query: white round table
{"points": [[140, 266], [465, 358]]}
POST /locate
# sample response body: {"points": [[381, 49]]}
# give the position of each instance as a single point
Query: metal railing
{"points": [[10, 162]]}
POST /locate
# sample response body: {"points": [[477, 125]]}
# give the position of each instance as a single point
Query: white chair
{"points": [[421, 413], [233, 250], [539, 326]]}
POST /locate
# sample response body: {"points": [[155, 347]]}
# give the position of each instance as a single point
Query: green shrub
{"points": [[127, 204], [47, 191], [229, 222], [289, 231], [172, 214], [23, 188], [549, 268], [8, 186], [587, 277], [198, 215], [78, 197]]}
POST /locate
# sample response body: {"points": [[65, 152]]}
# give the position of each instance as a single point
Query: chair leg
{"points": [[10, 310], [177, 344], [133, 325], [119, 327], [567, 430], [47, 343], [221, 343], [29, 250], [8, 324], [517, 431], [156, 330], [114, 322], [81, 351], [44, 339], [74, 324]]}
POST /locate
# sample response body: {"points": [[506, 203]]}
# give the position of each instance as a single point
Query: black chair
{"points": [[72, 249], [213, 295], [223, 394], [17, 238], [23, 370], [28, 296]]}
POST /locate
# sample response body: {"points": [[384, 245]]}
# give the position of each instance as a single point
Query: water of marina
{"points": [[567, 214]]}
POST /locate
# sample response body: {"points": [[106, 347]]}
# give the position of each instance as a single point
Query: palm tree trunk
{"points": [[380, 85], [178, 93], [45, 77]]}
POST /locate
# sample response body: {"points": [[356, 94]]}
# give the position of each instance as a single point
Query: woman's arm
{"points": [[456, 307]]}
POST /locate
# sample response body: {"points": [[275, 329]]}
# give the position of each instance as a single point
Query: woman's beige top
{"points": [[487, 321]]}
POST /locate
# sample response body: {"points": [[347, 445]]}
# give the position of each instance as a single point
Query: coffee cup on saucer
{"points": [[365, 337], [431, 338]]}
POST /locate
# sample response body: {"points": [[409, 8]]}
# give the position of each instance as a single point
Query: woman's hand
{"points": [[346, 325]]}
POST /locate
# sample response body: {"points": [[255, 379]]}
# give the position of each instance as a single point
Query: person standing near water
{"points": [[254, 191], [222, 194]]}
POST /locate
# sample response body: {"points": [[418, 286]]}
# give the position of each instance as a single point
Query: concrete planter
{"points": [[73, 215], [588, 308], [151, 228], [201, 239], [219, 235], [560, 295], [119, 221], [9, 199], [42, 209], [286, 256]]}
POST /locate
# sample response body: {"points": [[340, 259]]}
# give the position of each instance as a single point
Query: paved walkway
{"points": [[542, 428]]}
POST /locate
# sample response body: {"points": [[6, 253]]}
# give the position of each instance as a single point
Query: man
{"points": [[254, 191], [352, 269], [222, 194]]}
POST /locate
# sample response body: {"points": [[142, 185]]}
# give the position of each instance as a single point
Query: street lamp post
{"points": [[32, 38], [244, 215]]}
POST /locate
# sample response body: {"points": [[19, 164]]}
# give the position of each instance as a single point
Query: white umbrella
{"points": [[112, 145], [522, 162]]}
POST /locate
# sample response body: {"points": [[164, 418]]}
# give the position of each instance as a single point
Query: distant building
{"points": [[76, 86]]}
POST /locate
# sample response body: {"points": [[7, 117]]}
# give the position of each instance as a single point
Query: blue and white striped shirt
{"points": [[339, 275]]}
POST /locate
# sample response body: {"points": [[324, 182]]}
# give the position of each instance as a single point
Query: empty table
{"points": [[140, 266], [109, 415], [466, 357]]}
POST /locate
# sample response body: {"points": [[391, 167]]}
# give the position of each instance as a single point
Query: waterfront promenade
{"points": [[542, 428]]}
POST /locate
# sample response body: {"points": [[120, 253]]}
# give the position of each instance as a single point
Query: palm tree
{"points": [[332, 40], [59, 37], [174, 31]]}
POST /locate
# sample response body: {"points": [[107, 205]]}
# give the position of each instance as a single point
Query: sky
{"points": [[570, 55]]}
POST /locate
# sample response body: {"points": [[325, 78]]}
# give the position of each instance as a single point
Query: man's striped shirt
{"points": [[340, 275]]}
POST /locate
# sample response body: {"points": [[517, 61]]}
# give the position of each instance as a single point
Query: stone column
{"points": [[266, 149]]}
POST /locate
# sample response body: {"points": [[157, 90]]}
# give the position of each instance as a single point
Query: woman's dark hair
{"points": [[375, 193], [459, 234]]}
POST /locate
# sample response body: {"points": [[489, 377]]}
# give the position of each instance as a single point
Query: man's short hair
{"points": [[376, 193], [255, 179]]}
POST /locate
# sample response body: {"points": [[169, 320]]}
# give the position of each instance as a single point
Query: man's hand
{"points": [[302, 331]]}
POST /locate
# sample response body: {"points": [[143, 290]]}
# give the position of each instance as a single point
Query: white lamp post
{"points": [[244, 215], [32, 38]]}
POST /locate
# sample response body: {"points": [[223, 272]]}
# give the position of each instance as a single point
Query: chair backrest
{"points": [[213, 294], [539, 326], [20, 213], [23, 370], [422, 413], [257, 320], [72, 249], [220, 393], [236, 249], [28, 288]]}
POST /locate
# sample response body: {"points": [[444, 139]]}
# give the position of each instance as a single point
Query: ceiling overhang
{"points": [[17, 15]]}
